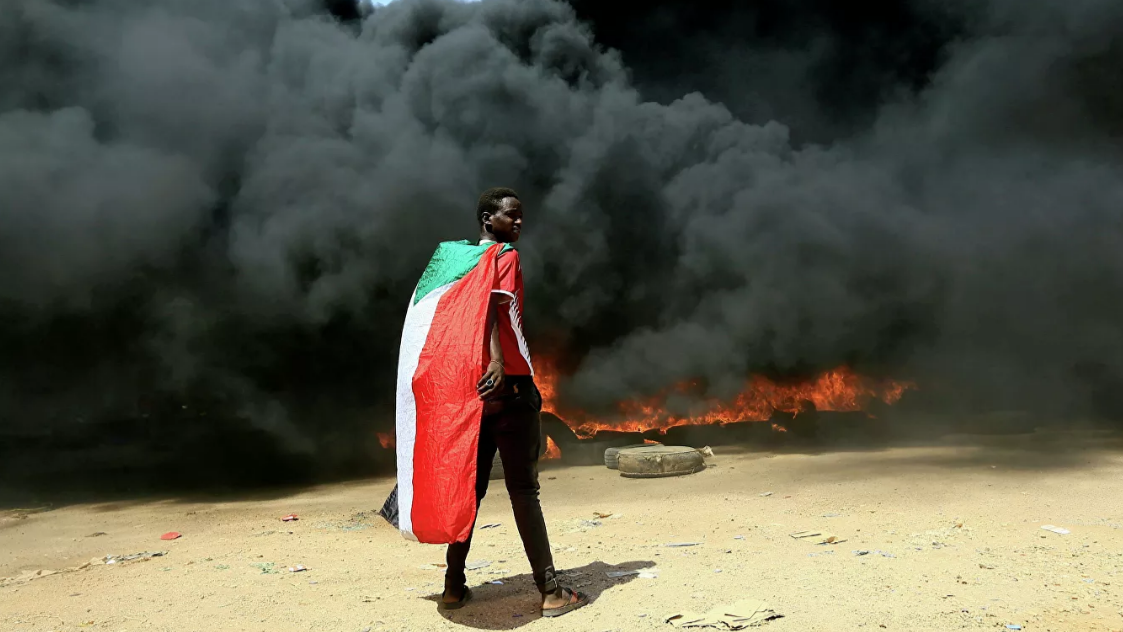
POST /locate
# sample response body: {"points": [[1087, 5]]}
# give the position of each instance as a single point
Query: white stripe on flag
{"points": [[517, 326], [415, 331]]}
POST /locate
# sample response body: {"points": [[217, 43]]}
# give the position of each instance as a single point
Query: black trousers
{"points": [[515, 431]]}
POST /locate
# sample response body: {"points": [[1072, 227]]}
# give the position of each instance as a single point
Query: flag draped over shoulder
{"points": [[438, 410]]}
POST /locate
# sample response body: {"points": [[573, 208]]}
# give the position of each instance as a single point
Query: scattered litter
{"points": [[766, 494], [830, 515], [738, 537], [831, 539], [706, 451], [589, 523], [1089, 581], [477, 565], [492, 525], [799, 535], [717, 570], [616, 574], [1013, 626], [602, 515], [171, 535], [741, 615], [290, 518], [432, 567], [297, 569], [884, 554], [147, 555], [30, 575], [861, 553], [97, 534], [496, 582], [1059, 530], [650, 573], [675, 545]]}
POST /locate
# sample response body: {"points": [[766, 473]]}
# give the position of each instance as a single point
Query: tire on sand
{"points": [[659, 461], [612, 455]]}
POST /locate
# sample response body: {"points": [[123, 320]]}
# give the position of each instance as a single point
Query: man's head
{"points": [[500, 215]]}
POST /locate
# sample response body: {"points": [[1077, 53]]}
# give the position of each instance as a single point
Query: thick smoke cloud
{"points": [[215, 211], [822, 68]]}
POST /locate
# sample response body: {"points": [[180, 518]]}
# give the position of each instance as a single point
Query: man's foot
{"points": [[564, 600], [454, 600]]}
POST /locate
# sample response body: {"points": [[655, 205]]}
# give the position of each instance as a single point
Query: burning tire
{"points": [[556, 429], [612, 455], [592, 451], [659, 461], [497, 463], [587, 452]]}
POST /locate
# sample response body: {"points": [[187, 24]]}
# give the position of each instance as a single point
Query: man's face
{"points": [[506, 224]]}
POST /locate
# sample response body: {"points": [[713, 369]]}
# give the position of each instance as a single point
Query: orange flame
{"points": [[386, 439], [552, 450], [837, 390]]}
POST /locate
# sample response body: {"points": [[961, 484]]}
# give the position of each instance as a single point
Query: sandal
{"points": [[576, 600], [456, 605]]}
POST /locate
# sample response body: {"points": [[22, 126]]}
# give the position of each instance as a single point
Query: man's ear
{"points": [[485, 217]]}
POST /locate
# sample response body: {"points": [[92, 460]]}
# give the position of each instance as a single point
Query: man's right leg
{"points": [[457, 555], [517, 433]]}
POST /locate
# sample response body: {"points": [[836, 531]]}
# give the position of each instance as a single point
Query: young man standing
{"points": [[468, 304]]}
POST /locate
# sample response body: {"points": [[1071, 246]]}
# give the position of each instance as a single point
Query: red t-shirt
{"points": [[516, 355]]}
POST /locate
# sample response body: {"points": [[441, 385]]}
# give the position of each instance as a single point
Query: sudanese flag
{"points": [[438, 409]]}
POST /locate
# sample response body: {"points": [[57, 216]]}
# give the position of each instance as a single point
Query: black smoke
{"points": [[214, 211], [822, 68]]}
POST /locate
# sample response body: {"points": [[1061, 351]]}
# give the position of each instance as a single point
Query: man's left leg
{"points": [[457, 555]]}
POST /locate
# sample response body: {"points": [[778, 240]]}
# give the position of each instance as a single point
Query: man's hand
{"points": [[492, 381]]}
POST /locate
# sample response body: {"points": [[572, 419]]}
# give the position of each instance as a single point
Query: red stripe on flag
{"points": [[449, 409]]}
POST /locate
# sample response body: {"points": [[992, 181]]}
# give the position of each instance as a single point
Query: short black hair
{"points": [[491, 201]]}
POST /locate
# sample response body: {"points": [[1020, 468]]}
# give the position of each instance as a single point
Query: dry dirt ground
{"points": [[953, 534]]}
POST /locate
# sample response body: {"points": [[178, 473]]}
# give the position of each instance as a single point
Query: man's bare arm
{"points": [[494, 372]]}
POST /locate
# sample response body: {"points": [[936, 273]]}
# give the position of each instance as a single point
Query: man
{"points": [[465, 317]]}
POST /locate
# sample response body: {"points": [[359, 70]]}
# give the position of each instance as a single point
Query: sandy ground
{"points": [[904, 505]]}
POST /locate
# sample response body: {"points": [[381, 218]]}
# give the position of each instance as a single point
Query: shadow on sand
{"points": [[515, 603]]}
